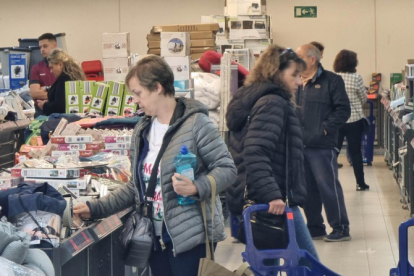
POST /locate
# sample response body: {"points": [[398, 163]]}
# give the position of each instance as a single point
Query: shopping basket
{"points": [[404, 267], [367, 143], [291, 255]]}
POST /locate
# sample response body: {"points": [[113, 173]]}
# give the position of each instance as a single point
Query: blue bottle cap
{"points": [[184, 150]]}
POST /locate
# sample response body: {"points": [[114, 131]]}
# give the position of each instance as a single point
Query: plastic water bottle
{"points": [[185, 164]]}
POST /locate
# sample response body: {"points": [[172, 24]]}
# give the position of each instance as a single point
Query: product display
{"points": [[99, 97], [114, 98], [175, 44]]}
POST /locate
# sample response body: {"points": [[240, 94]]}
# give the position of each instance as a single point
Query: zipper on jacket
{"points": [[134, 178], [163, 219]]}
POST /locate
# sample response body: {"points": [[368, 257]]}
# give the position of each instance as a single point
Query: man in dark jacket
{"points": [[322, 108]]}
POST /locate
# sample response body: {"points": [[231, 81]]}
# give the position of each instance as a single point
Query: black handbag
{"points": [[138, 235], [269, 231]]}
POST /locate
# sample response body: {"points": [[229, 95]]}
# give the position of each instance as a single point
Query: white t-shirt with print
{"points": [[155, 138]]}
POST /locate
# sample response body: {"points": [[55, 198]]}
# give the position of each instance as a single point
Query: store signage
{"points": [[17, 69], [306, 11]]}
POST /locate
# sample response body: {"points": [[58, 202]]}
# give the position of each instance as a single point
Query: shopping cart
{"points": [[291, 255], [404, 267], [367, 143]]}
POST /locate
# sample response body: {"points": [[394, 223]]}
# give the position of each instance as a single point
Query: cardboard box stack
{"points": [[175, 49], [118, 142], [245, 30], [110, 98], [115, 53], [201, 38]]}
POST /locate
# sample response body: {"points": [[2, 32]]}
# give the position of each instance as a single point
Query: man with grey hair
{"points": [[322, 108]]}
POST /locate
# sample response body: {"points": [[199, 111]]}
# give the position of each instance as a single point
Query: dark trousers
{"points": [[323, 187], [163, 263], [353, 133]]}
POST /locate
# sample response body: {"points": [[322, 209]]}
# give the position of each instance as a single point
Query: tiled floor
{"points": [[374, 216]]}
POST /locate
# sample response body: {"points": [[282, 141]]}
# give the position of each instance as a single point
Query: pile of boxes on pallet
{"points": [[198, 39], [244, 30], [110, 98], [178, 45]]}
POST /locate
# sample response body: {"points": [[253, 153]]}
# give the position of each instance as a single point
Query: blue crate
{"points": [[290, 255]]}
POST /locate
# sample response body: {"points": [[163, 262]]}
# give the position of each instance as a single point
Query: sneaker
{"points": [[340, 165], [318, 238], [362, 187], [337, 236]]}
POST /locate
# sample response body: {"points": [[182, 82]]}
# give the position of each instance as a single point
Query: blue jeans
{"points": [[303, 237]]}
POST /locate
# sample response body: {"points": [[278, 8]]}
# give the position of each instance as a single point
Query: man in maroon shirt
{"points": [[40, 76]]}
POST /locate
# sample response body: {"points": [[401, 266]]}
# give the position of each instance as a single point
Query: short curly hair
{"points": [[346, 61]]}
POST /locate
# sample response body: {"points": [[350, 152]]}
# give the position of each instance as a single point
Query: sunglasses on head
{"points": [[286, 55]]}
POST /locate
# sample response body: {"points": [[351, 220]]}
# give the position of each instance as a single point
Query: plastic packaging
{"points": [[185, 163]]}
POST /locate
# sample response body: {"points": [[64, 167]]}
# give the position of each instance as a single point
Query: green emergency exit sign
{"points": [[306, 11]]}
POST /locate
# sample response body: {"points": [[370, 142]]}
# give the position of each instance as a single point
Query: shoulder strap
{"points": [[153, 178], [210, 249], [287, 154]]}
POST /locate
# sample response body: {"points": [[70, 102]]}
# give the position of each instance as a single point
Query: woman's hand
{"points": [[41, 103], [82, 210], [277, 207], [183, 185]]}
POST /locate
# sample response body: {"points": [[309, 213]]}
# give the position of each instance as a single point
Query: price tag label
{"points": [[107, 226], [77, 242]]}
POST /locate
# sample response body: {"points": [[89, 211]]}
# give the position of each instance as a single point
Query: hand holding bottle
{"points": [[183, 185]]}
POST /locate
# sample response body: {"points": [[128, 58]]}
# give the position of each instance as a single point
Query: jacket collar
{"points": [[318, 73]]}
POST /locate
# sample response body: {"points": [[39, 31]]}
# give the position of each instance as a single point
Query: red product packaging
{"points": [[118, 139], [118, 152], [91, 146], [81, 139]]}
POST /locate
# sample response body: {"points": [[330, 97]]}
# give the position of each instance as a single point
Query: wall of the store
{"points": [[375, 29]]}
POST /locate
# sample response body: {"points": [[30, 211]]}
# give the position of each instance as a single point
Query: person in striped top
{"points": [[345, 65]]}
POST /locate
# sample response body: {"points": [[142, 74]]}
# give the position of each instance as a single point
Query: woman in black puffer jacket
{"points": [[261, 117]]}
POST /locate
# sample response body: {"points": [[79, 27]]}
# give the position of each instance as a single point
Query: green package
{"points": [[128, 106], [86, 90], [72, 100], [100, 91], [114, 99]]}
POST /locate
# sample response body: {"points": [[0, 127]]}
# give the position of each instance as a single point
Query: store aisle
{"points": [[374, 216]]}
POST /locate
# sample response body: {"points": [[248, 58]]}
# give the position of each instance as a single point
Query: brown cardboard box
{"points": [[376, 77], [202, 43], [202, 35], [196, 56], [198, 50], [154, 52], [154, 37], [214, 27], [154, 44]]}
